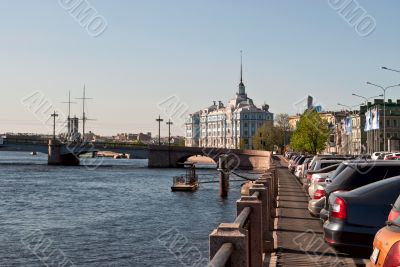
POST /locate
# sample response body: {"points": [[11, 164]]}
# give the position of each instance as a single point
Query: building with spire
{"points": [[231, 126]]}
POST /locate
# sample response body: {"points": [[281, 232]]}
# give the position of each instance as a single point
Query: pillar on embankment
{"points": [[223, 176], [56, 158]]}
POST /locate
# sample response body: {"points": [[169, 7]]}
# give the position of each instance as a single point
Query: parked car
{"points": [[356, 216], [315, 205], [297, 162], [392, 157], [386, 250], [329, 156], [376, 155], [316, 180], [320, 166], [383, 154], [356, 174], [292, 160], [302, 166]]}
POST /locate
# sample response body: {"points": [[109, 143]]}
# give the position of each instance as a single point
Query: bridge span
{"points": [[68, 153]]}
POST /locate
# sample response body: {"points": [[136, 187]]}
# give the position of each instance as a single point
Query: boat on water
{"points": [[187, 182]]}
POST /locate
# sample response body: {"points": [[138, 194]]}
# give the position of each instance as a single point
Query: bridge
{"points": [[67, 153], [173, 157]]}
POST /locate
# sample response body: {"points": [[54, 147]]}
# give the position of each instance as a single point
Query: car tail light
{"points": [[394, 215], [339, 209], [319, 194], [393, 257]]}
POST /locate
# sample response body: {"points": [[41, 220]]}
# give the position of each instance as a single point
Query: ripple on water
{"points": [[110, 216]]}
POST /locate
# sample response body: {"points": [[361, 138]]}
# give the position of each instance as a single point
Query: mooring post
{"points": [[223, 176]]}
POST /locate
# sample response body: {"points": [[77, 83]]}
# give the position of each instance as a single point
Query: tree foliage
{"points": [[269, 136], [265, 138], [311, 134]]}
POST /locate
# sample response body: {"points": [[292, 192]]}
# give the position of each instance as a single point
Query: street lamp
{"points": [[384, 108], [348, 107], [169, 123], [159, 120], [54, 115], [366, 98], [385, 68]]}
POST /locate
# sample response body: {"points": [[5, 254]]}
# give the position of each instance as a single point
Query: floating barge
{"points": [[188, 182]]}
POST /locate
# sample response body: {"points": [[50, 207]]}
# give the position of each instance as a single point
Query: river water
{"points": [[119, 214]]}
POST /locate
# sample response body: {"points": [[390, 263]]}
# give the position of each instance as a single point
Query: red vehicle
{"points": [[392, 158]]}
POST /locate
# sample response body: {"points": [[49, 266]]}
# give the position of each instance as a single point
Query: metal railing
{"points": [[25, 141], [244, 242]]}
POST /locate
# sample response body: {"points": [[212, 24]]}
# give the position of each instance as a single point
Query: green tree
{"points": [[285, 130], [266, 137], [311, 133]]}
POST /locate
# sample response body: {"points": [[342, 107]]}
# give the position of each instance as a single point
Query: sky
{"points": [[156, 56]]}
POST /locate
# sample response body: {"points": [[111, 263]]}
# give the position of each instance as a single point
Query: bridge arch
{"points": [[197, 158]]}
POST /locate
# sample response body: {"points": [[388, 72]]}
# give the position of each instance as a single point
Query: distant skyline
{"points": [[150, 51]]}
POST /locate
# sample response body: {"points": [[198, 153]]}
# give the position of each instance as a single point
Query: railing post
{"points": [[223, 176], [268, 241], [255, 228], [238, 237], [272, 170], [267, 182]]}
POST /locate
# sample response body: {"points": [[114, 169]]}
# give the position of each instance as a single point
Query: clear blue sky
{"points": [[154, 49]]}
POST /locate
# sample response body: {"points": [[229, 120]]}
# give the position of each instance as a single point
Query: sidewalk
{"points": [[299, 236]]}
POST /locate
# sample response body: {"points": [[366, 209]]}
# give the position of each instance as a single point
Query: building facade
{"points": [[230, 126], [357, 140], [375, 138]]}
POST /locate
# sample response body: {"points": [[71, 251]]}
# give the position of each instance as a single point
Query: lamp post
{"points": [[54, 115], [346, 106], [384, 108], [366, 98], [159, 120], [385, 68], [169, 123]]}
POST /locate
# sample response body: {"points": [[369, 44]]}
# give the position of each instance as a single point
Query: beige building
{"points": [[230, 126]]}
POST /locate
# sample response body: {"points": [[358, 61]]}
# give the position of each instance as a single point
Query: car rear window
{"points": [[327, 164], [355, 176], [301, 160], [337, 171]]}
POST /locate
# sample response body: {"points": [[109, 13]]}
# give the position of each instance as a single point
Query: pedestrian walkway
{"points": [[299, 236]]}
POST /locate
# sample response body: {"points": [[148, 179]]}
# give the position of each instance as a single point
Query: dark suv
{"points": [[356, 174]]}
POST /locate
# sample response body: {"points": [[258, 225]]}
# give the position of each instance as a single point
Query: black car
{"points": [[355, 174], [356, 216]]}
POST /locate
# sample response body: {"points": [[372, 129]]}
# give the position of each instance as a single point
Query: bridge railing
{"points": [[243, 242], [25, 141]]}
